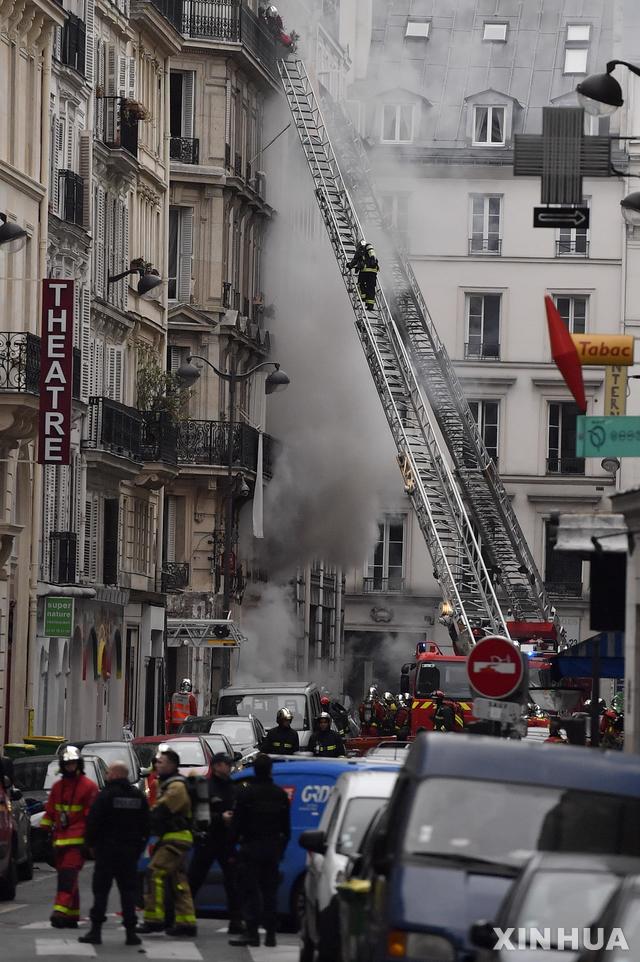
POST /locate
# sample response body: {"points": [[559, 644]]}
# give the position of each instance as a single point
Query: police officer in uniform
{"points": [[217, 843], [283, 739], [263, 827], [117, 830], [325, 742]]}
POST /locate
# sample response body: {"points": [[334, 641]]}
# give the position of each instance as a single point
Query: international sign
{"points": [[56, 372], [495, 668], [615, 437], [58, 617], [604, 349], [558, 217]]}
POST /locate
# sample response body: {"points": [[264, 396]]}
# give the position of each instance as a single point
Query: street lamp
{"points": [[12, 237], [631, 208], [277, 380], [601, 94], [149, 284]]}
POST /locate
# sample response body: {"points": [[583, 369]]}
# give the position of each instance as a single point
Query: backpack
{"points": [[198, 788]]}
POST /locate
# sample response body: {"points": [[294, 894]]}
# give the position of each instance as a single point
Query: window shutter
{"points": [[99, 67], [131, 78], [54, 186], [170, 526], [117, 251], [63, 496], [57, 43], [115, 358], [48, 516], [99, 241], [68, 153], [85, 173], [187, 103], [125, 252], [92, 505], [186, 253], [76, 523], [89, 20], [122, 76], [111, 71], [85, 344], [110, 290]]}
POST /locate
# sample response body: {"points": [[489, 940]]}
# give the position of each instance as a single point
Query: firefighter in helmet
{"points": [[324, 741], [403, 717], [365, 264], [447, 715], [283, 739], [183, 704]]}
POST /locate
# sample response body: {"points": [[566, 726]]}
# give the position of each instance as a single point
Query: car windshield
{"points": [[238, 732], [190, 753], [447, 676], [112, 753], [265, 707], [506, 823], [564, 900], [145, 753], [216, 744], [29, 774], [355, 823]]}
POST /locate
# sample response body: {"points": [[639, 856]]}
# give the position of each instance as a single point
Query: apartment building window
{"points": [[180, 253], [495, 32], [561, 439], [486, 224], [184, 147], [397, 123], [395, 208], [562, 569], [576, 51], [573, 241], [488, 126], [111, 531], [386, 567], [486, 414], [418, 29], [140, 534], [483, 326], [573, 311]]}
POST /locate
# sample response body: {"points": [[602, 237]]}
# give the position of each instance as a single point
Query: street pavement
{"points": [[25, 932]]}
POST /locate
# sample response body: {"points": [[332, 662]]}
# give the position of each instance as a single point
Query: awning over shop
{"points": [[203, 633], [577, 661]]}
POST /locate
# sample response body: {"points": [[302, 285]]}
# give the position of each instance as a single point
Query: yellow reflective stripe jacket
{"points": [[68, 808]]}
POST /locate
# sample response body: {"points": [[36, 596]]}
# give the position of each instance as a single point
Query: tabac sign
{"points": [[604, 349], [56, 372]]}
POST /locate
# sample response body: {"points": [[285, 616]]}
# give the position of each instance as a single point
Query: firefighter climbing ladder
{"points": [[480, 485], [458, 562]]}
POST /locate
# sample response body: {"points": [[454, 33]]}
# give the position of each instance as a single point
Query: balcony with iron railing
{"points": [[159, 440], [175, 576], [230, 22], [382, 585], [185, 150], [575, 247], [71, 191], [485, 245], [63, 550], [19, 362], [207, 443], [116, 124], [113, 429], [564, 465], [481, 351]]}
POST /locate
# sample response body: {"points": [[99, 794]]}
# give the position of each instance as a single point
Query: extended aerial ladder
{"points": [[478, 486], [458, 562]]}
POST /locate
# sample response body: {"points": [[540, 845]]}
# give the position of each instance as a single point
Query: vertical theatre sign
{"points": [[56, 372]]}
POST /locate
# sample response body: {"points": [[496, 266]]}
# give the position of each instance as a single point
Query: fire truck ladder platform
{"points": [[458, 563]]}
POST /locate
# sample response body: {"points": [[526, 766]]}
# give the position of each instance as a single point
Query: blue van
{"points": [[308, 782], [466, 814]]}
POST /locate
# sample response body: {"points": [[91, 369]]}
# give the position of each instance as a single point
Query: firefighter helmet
{"points": [[71, 754], [322, 717], [284, 715], [388, 697], [271, 11], [185, 686], [373, 692]]}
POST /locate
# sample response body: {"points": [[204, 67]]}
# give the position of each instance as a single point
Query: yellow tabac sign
{"points": [[610, 350]]}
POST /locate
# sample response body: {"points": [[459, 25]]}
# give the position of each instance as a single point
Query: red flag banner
{"points": [[565, 354], [56, 372]]}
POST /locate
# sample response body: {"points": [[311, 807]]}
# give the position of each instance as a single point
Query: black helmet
{"points": [[323, 716]]}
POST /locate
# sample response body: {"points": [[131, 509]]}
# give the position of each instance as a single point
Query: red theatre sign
{"points": [[56, 372]]}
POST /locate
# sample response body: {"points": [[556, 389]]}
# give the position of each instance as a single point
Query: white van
{"points": [[302, 698]]}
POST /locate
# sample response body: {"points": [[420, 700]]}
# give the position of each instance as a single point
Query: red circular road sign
{"points": [[494, 667]]}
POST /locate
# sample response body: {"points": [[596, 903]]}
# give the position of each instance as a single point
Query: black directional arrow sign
{"points": [[561, 217]]}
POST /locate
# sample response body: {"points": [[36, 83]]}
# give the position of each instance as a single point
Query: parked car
{"points": [[621, 914], [29, 773], [308, 782], [196, 724], [194, 752], [396, 750], [553, 892], [245, 734], [94, 768], [219, 743], [263, 701], [356, 798], [116, 752], [457, 830], [353, 941]]}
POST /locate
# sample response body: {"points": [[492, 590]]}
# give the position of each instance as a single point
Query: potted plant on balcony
{"points": [[159, 391], [133, 111]]}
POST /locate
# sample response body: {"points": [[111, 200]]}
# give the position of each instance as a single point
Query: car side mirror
{"points": [[314, 840], [483, 935], [15, 794]]}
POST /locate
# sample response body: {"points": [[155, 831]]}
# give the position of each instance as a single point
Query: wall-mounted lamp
{"points": [[610, 465], [150, 283], [12, 237]]}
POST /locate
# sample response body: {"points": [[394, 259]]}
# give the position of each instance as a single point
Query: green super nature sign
{"points": [[58, 617]]}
